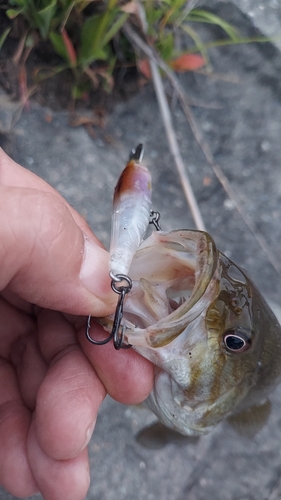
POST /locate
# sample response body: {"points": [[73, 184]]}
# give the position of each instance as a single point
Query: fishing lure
{"points": [[131, 216]]}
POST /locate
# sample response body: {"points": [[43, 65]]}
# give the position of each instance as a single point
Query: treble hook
{"points": [[115, 334]]}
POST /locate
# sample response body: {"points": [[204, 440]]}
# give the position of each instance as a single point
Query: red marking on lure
{"points": [[135, 178]]}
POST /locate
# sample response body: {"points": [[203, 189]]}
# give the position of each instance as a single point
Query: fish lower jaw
{"points": [[180, 419], [171, 409], [191, 416]]}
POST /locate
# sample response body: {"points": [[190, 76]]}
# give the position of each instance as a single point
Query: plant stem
{"points": [[171, 135], [174, 147]]}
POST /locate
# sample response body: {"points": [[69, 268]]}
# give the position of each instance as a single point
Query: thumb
{"points": [[47, 259]]}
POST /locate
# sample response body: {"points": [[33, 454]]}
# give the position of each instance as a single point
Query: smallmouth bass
{"points": [[213, 339]]}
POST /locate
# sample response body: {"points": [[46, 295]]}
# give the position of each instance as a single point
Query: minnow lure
{"points": [[131, 217]]}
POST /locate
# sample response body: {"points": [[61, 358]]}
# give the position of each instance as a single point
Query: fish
{"points": [[213, 340]]}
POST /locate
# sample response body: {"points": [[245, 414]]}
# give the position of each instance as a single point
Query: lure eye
{"points": [[237, 340]]}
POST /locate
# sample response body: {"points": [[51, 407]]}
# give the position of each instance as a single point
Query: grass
{"points": [[88, 36]]}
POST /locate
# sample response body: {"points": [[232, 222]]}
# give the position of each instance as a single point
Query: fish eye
{"points": [[237, 340]]}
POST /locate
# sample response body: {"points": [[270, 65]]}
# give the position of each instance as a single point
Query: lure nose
{"points": [[137, 153]]}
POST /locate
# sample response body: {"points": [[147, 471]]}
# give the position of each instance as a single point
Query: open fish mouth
{"points": [[171, 272]]}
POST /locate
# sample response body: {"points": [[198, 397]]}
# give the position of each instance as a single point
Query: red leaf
{"points": [[69, 48], [187, 62], [144, 68]]}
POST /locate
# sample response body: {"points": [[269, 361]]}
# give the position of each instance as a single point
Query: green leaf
{"points": [[204, 16], [45, 16], [12, 13], [4, 36], [166, 46], [153, 16], [115, 28], [91, 47], [89, 36], [96, 33], [59, 46], [105, 21], [96, 55]]}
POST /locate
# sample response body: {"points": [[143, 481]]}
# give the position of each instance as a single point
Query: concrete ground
{"points": [[241, 120]]}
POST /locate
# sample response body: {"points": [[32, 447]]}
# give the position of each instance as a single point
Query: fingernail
{"points": [[89, 434], [94, 271]]}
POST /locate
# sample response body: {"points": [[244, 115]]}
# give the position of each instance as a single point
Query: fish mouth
{"points": [[171, 272]]}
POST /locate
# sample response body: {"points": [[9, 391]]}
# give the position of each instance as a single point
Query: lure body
{"points": [[131, 215]]}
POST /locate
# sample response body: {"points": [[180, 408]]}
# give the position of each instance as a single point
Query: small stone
{"points": [[265, 145], [153, 154], [228, 204], [29, 160]]}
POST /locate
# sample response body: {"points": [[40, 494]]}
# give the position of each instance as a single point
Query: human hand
{"points": [[54, 272]]}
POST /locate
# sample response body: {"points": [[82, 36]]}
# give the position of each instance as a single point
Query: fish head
{"points": [[214, 341]]}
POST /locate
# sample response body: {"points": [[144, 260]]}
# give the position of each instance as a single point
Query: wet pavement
{"points": [[240, 118]]}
